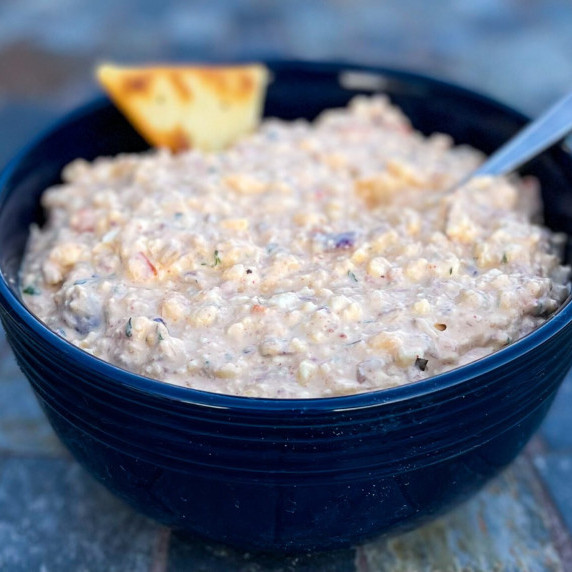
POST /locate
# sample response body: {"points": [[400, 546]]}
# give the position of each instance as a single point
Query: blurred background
{"points": [[52, 515], [516, 50]]}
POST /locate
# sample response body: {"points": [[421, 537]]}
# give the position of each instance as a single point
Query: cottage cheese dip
{"points": [[308, 260]]}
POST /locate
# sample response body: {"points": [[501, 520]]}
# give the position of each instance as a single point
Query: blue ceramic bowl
{"points": [[288, 475]]}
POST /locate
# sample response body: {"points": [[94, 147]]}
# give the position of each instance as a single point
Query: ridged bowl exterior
{"points": [[287, 475]]}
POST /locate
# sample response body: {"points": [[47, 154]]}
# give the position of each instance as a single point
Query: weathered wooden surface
{"points": [[53, 516]]}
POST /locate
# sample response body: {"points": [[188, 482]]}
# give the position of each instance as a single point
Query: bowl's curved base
{"points": [[312, 514]]}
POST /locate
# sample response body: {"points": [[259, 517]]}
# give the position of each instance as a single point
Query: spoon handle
{"points": [[543, 132]]}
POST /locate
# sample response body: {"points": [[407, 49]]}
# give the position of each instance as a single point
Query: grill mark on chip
{"points": [[139, 83], [177, 140], [182, 89], [233, 87]]}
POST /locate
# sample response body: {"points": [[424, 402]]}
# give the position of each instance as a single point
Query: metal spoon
{"points": [[552, 126]]}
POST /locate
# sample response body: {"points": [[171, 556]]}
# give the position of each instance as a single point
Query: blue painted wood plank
{"points": [[24, 428], [19, 123], [502, 528], [556, 471], [54, 517]]}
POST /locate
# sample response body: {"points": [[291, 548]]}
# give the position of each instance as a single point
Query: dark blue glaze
{"points": [[287, 475]]}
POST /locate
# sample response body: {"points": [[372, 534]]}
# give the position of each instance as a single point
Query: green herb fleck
{"points": [[504, 258], [129, 328], [352, 276], [421, 363], [508, 341], [31, 291], [217, 259], [159, 336], [450, 271]]}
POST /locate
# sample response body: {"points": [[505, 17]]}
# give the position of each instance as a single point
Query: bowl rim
{"points": [[370, 399]]}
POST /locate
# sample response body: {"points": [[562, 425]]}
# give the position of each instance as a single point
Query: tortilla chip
{"points": [[206, 108]]}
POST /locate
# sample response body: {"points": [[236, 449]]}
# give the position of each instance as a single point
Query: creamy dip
{"points": [[309, 260]]}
